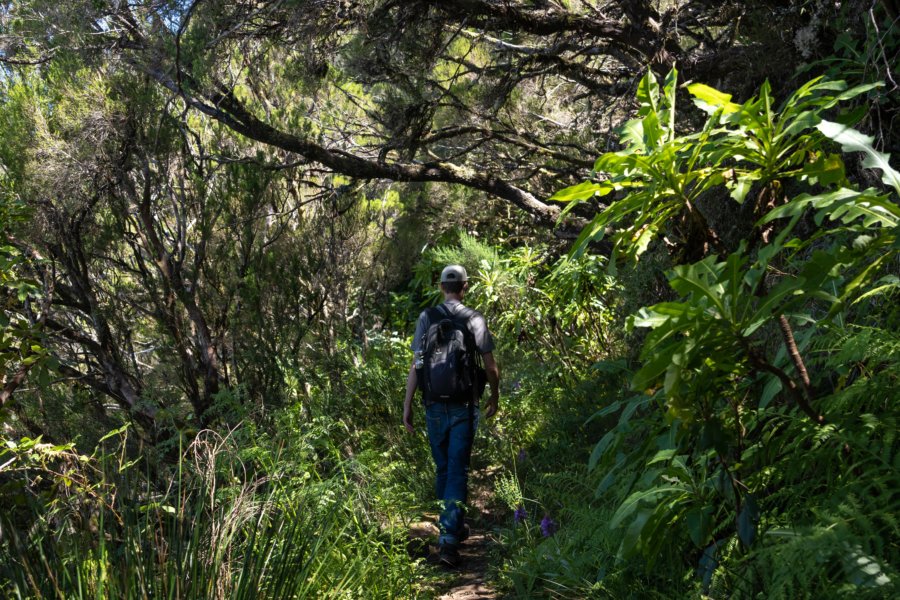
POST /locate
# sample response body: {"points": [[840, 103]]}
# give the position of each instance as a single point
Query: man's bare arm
{"points": [[411, 383], [493, 377]]}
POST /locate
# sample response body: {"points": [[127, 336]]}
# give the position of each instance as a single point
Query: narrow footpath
{"points": [[469, 580]]}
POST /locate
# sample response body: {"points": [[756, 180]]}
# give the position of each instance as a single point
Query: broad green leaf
{"points": [[765, 96], [602, 446], [630, 408], [583, 191], [593, 231], [741, 187], [648, 93], [634, 500], [873, 210], [888, 283], [669, 90], [633, 534], [710, 100], [772, 303], [844, 204], [662, 455], [801, 123], [658, 314], [747, 520], [608, 480], [770, 390], [632, 137], [693, 279], [606, 410], [852, 140], [827, 169], [654, 136], [852, 93], [115, 432], [639, 243], [707, 566], [650, 372], [864, 276], [699, 524]]}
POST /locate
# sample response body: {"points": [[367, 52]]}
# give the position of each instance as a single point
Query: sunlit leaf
{"points": [[710, 99], [852, 140], [583, 191]]}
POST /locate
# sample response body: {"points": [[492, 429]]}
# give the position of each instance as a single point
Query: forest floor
{"points": [[469, 581]]}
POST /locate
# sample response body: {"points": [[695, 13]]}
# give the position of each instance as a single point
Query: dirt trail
{"points": [[469, 580]]}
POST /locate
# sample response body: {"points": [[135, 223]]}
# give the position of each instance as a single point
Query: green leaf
{"points": [[602, 446], [872, 209], [662, 455], [658, 314], [803, 121], [583, 191], [827, 169], [115, 432], [611, 408], [844, 204], [710, 100], [669, 90], [747, 521], [852, 140], [610, 478], [634, 500], [650, 372], [888, 283], [631, 136], [699, 524], [864, 276], [631, 407], [592, 231], [632, 537], [692, 279], [741, 187], [770, 390], [648, 93], [707, 567]]}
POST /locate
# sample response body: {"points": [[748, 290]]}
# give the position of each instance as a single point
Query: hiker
{"points": [[451, 393]]}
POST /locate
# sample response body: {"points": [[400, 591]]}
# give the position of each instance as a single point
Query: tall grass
{"points": [[96, 527]]}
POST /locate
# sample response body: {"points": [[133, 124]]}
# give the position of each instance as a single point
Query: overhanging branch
{"points": [[222, 106]]}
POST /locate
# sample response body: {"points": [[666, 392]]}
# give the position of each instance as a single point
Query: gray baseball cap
{"points": [[454, 273]]}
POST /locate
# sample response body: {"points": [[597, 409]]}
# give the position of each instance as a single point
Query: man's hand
{"points": [[490, 407], [493, 376]]}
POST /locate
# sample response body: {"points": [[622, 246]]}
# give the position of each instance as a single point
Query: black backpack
{"points": [[451, 364]]}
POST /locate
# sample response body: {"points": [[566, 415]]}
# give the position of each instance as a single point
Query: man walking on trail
{"points": [[451, 417]]}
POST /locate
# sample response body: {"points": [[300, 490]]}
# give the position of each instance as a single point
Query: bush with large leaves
{"points": [[755, 453]]}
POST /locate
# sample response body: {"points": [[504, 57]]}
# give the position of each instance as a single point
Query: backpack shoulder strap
{"points": [[462, 317], [433, 315]]}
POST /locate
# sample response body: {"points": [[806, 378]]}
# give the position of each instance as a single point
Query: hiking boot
{"points": [[449, 557]]}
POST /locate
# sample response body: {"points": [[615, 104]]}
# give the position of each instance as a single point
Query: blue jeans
{"points": [[451, 431]]}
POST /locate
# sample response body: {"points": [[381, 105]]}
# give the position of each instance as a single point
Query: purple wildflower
{"points": [[548, 526], [520, 515], [521, 456]]}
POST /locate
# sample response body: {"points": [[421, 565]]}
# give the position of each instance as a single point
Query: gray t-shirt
{"points": [[483, 339]]}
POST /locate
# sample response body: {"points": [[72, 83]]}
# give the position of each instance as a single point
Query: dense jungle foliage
{"points": [[220, 221]]}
